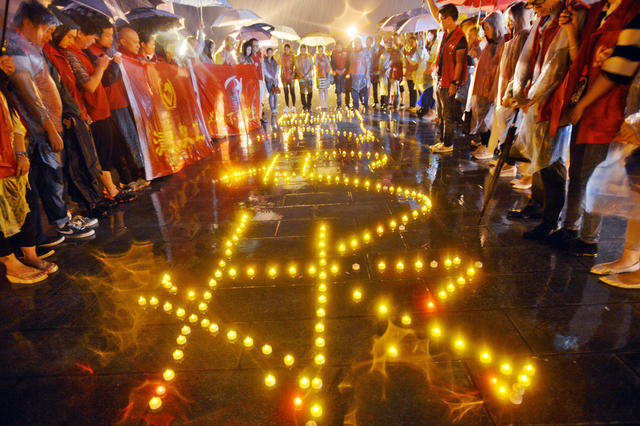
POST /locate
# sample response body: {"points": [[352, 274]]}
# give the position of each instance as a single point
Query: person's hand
{"points": [[568, 19], [103, 62], [627, 134], [6, 64], [576, 113], [23, 165], [56, 142], [117, 59], [453, 88], [66, 122], [520, 101]]}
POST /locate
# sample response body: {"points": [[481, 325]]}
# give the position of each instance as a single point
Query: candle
{"points": [[320, 342], [356, 295], [205, 323], [248, 342], [266, 350], [193, 318], [288, 360], [168, 375], [142, 301], [153, 301], [167, 307], [406, 320], [316, 411], [186, 330], [155, 403], [270, 380], [178, 355], [180, 313], [232, 335], [181, 340], [319, 359], [161, 390], [319, 327], [304, 383]]}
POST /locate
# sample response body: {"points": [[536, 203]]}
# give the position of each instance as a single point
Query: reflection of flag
{"points": [[234, 88]]}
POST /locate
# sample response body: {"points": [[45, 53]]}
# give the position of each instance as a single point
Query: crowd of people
{"points": [[69, 143], [562, 74]]}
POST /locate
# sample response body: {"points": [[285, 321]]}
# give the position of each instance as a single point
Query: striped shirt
{"points": [[623, 63]]}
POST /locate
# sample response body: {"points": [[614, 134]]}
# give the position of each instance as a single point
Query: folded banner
{"points": [[230, 98]]}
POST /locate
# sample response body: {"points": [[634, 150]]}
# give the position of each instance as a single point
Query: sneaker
{"points": [[286, 110], [441, 148], [293, 109], [72, 231], [51, 241], [482, 153], [578, 247], [539, 233], [85, 222], [561, 238], [507, 171]]}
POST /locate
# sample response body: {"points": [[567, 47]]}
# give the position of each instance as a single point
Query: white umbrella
{"points": [[285, 33], [418, 24], [203, 3], [239, 17], [317, 39]]}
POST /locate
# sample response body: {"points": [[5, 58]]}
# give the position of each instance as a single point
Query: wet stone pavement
{"points": [[439, 319]]}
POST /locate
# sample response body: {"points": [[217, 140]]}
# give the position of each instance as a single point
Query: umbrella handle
{"points": [[201, 18], [4, 23]]}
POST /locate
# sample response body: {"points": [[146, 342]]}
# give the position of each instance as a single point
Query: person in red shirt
{"points": [[287, 76], [451, 63], [89, 79], [256, 55], [339, 59]]}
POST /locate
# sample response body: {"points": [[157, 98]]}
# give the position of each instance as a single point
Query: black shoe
{"points": [[562, 238], [539, 233], [72, 231], [41, 252], [50, 241], [578, 247], [527, 212]]}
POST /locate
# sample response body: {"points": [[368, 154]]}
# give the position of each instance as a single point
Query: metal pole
{"points": [[4, 23]]}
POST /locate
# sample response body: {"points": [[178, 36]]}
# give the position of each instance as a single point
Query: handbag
{"points": [[275, 90]]}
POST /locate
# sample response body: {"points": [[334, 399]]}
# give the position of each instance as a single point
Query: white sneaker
{"points": [[293, 109], [440, 148], [482, 153], [286, 110], [522, 186], [508, 171]]}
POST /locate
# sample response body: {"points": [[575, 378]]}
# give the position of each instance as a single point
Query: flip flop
{"points": [[30, 278]]}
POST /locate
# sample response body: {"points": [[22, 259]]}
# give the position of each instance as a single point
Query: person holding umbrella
{"points": [[304, 68], [256, 56], [245, 57], [270, 67], [359, 72], [225, 55], [287, 76], [375, 52], [411, 61], [147, 46]]}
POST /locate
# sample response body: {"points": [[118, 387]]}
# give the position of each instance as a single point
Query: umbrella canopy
{"points": [[272, 42], [234, 17], [108, 8], [203, 3], [486, 5], [418, 24], [394, 22], [260, 32], [317, 39], [285, 33], [151, 20]]}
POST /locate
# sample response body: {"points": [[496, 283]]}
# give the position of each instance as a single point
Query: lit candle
{"points": [[320, 342], [178, 355], [319, 327], [433, 264], [232, 335], [186, 330], [400, 266], [168, 375], [320, 313], [392, 351], [406, 320], [380, 230], [213, 328], [316, 411], [267, 350], [288, 360], [181, 340], [193, 318], [304, 383], [418, 265], [161, 390], [205, 323], [142, 301], [202, 307], [316, 383], [356, 295], [248, 342], [381, 266], [155, 403], [154, 301], [382, 309], [207, 295], [180, 313], [270, 380], [319, 359], [213, 283]]}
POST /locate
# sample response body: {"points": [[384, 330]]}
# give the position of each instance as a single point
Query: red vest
{"points": [[449, 59], [257, 59], [116, 92], [59, 60], [287, 68], [602, 119], [396, 64], [97, 102], [339, 60]]}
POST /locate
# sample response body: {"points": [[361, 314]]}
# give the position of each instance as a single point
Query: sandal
{"points": [[43, 266], [27, 277]]}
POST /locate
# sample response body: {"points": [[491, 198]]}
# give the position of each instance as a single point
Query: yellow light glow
{"points": [[456, 260], [205, 323], [366, 237], [392, 351], [233, 273], [207, 295], [319, 327], [270, 380], [505, 368], [297, 402], [319, 359], [524, 380], [459, 344], [168, 375], [380, 230], [273, 272], [322, 287], [322, 299], [320, 342], [142, 301], [213, 328], [304, 383], [316, 383], [312, 270], [400, 266], [447, 262], [419, 265], [180, 313], [471, 272], [461, 281], [178, 355], [382, 309], [153, 301], [186, 330], [406, 320], [382, 266], [251, 272], [202, 307], [267, 350], [155, 403], [232, 335], [356, 295], [288, 360], [181, 340], [316, 411], [213, 283], [248, 342], [320, 312], [293, 271], [485, 357]]}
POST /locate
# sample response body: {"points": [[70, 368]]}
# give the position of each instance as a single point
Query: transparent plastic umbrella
{"points": [[233, 18], [285, 33], [317, 39], [418, 24]]}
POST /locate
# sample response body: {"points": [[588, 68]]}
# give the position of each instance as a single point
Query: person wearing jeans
{"points": [[270, 68], [339, 66], [599, 114], [451, 63]]}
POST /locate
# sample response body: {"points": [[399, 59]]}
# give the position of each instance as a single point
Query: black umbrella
{"points": [[149, 20], [504, 157]]}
